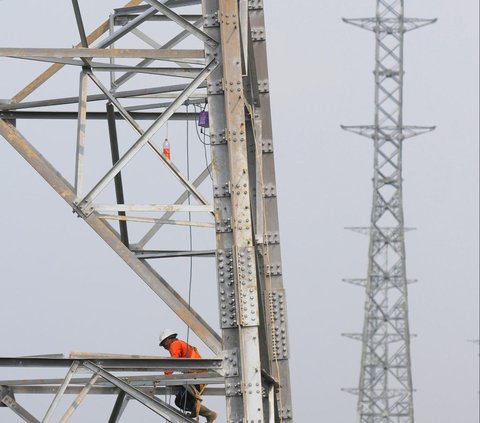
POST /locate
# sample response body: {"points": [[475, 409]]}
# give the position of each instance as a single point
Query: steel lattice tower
{"points": [[223, 67], [385, 387]]}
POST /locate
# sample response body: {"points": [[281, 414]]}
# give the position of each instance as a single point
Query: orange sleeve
{"points": [[176, 349], [175, 352]]}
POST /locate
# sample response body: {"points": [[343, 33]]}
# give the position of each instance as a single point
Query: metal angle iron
{"points": [[225, 66]]}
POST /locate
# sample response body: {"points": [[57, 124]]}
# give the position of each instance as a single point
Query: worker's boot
{"points": [[208, 414]]}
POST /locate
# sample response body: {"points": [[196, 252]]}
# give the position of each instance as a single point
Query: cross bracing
{"points": [[149, 64], [385, 390]]}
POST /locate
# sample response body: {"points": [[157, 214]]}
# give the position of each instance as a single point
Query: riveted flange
{"points": [[211, 20], [257, 34], [286, 413], [226, 289], [221, 190], [272, 238], [217, 138], [7, 397], [233, 390], [269, 191], [255, 4], [263, 86], [223, 226], [273, 269], [267, 146], [215, 88], [230, 362], [248, 295], [277, 308]]}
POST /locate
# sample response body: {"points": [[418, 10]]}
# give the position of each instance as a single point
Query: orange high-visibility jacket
{"points": [[180, 349]]}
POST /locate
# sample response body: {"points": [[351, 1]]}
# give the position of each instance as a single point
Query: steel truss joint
{"points": [[220, 191], [230, 362], [227, 293], [273, 269], [267, 146], [247, 290], [218, 139], [211, 20], [257, 34], [263, 86], [255, 4], [233, 388], [223, 225], [269, 191], [278, 323]]}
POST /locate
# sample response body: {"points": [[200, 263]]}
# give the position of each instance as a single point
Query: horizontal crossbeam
{"points": [[119, 364], [132, 53]]}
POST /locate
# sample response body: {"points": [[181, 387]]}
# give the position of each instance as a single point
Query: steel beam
{"points": [[267, 231], [105, 231], [253, 351], [118, 364], [154, 404], [192, 29], [169, 44], [180, 200], [227, 295], [162, 222], [146, 380], [80, 151], [159, 54], [52, 70], [118, 408], [244, 259], [81, 28], [10, 402], [60, 392], [79, 399], [144, 93], [34, 115], [108, 390], [85, 203], [112, 131]]}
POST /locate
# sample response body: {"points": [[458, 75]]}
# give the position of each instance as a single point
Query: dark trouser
{"points": [[185, 400]]}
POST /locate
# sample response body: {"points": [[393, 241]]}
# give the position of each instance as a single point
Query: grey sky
{"points": [[64, 290]]}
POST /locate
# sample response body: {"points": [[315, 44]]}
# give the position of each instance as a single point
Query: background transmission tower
{"points": [[208, 53], [385, 386]]}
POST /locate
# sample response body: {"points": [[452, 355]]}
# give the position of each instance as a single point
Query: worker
{"points": [[184, 399]]}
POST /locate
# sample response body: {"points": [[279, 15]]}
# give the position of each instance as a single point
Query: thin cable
{"points": [[267, 276], [190, 245], [168, 400], [207, 165], [189, 219], [202, 131], [203, 141]]}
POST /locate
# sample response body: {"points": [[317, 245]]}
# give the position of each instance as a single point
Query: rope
{"points": [[190, 237], [198, 398], [168, 400], [258, 149], [202, 131], [190, 242]]}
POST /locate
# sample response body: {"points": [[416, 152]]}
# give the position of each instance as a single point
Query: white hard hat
{"points": [[167, 333]]}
